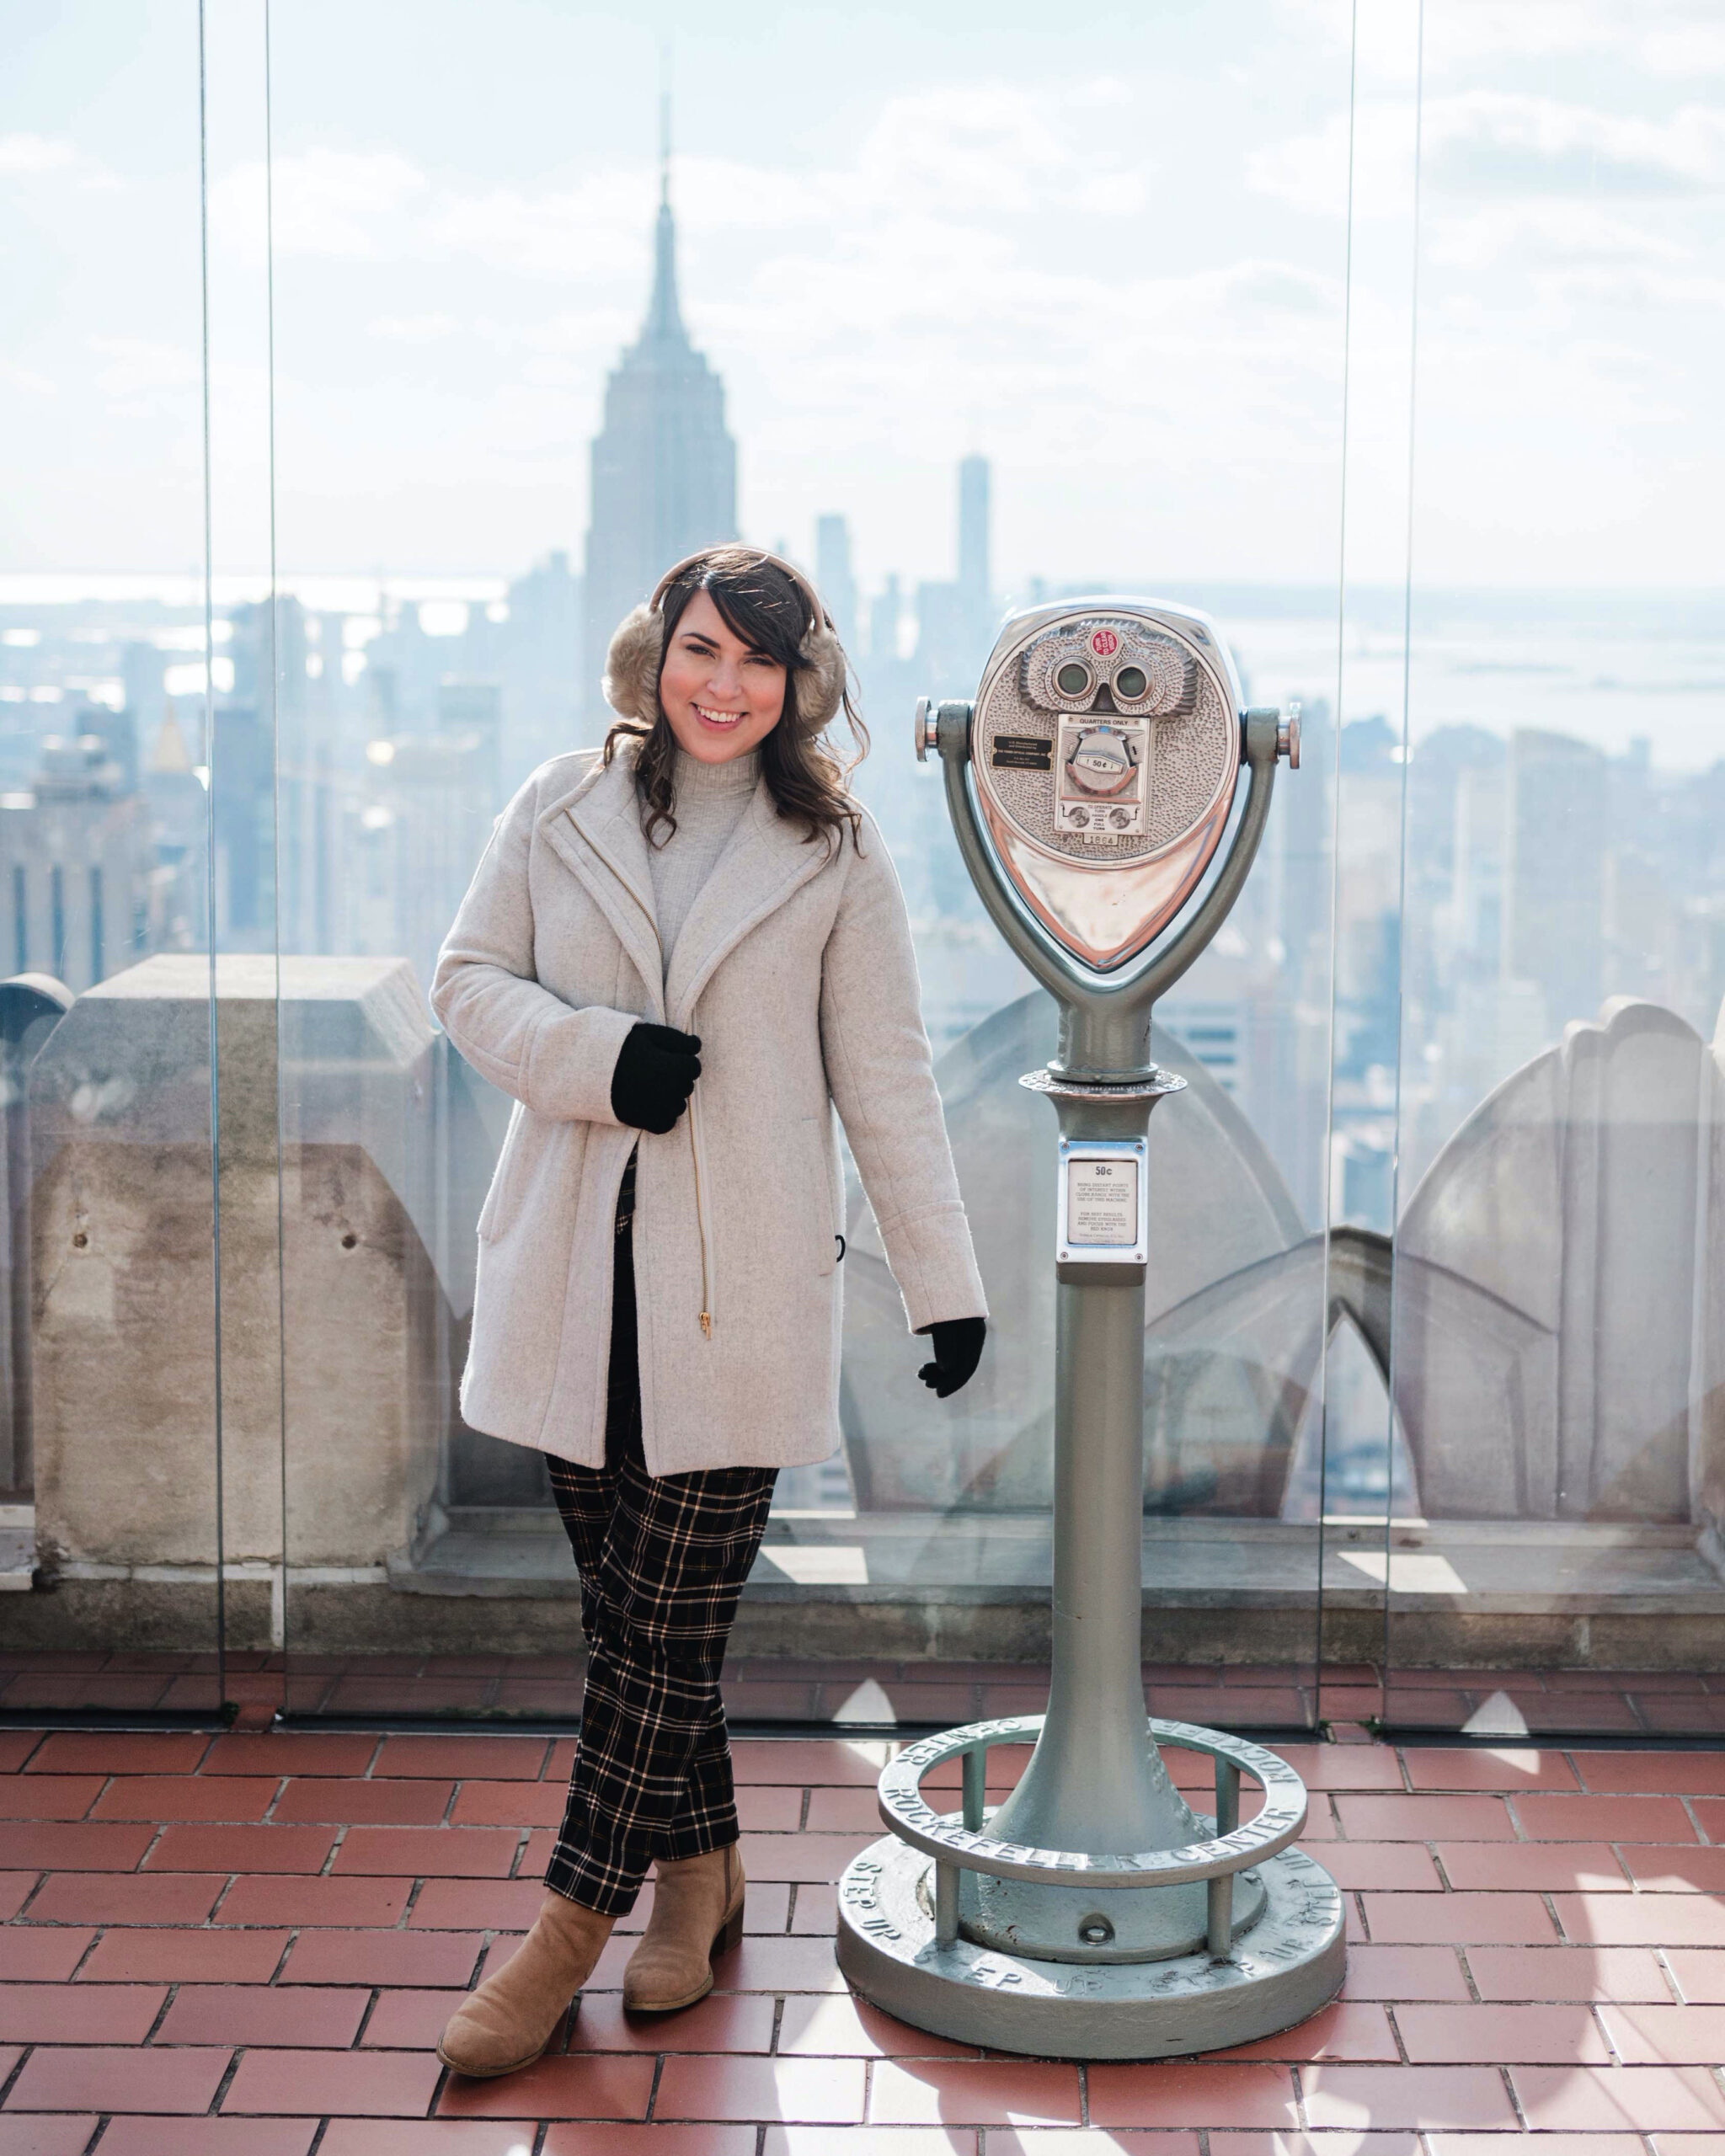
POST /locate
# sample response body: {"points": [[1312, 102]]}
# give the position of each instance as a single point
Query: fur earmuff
{"points": [[631, 683]]}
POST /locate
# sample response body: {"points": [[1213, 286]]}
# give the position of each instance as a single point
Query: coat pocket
{"points": [[825, 1192], [524, 1147]]}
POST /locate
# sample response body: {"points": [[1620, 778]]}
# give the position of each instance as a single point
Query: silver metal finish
{"points": [[926, 725], [1089, 787], [1290, 1964]]}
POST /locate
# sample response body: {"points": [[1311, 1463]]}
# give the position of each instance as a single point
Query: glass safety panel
{"points": [[1559, 1275], [116, 1504], [963, 347]]}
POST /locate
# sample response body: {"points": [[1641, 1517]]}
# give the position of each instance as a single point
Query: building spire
{"points": [[664, 318]]}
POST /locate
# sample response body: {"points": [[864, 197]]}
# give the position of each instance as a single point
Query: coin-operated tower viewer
{"points": [[1092, 1914]]}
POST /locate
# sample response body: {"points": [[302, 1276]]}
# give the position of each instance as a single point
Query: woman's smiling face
{"points": [[721, 697]]}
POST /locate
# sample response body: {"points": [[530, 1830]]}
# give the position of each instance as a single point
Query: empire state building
{"points": [[664, 470]]}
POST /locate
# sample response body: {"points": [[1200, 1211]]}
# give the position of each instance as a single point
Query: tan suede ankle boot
{"points": [[512, 2015], [697, 1914]]}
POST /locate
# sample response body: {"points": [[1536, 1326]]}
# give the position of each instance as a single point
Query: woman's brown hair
{"points": [[772, 613]]}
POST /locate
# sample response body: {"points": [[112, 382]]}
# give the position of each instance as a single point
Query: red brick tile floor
{"points": [[244, 1944], [1554, 1702]]}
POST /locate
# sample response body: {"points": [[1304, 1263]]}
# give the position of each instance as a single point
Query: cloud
{"points": [[1501, 142], [412, 329], [341, 205], [41, 156]]}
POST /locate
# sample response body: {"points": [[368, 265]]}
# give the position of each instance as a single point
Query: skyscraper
{"points": [[663, 468]]}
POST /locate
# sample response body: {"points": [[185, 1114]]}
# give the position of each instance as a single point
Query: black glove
{"points": [[656, 1070], [957, 1349]]}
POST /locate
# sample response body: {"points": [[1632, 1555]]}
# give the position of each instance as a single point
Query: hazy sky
{"points": [[1107, 246]]}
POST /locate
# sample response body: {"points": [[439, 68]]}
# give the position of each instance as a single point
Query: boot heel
{"points": [[730, 1933]]}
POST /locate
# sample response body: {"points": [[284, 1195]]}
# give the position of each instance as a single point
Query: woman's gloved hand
{"points": [[656, 1070], [957, 1349]]}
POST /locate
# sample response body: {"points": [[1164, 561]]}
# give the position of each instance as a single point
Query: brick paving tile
{"points": [[1352, 2029], [568, 2137], [1393, 1972], [1666, 2035], [84, 2014], [124, 1897], [407, 2020], [1343, 1767], [16, 1888], [766, 1808], [1684, 2144], [557, 2088], [816, 1910], [807, 1763], [345, 1802], [1319, 2144], [735, 2022], [1425, 1708], [488, 1759], [284, 1899], [1179, 2092], [1375, 1818], [1700, 1975], [536, 1854], [560, 1761], [1397, 1867], [1410, 2096], [856, 1811], [71, 1845], [1711, 1812], [817, 1857], [292, 1752], [1460, 1920], [1082, 2141], [417, 1852], [1604, 1819], [136, 2137], [427, 2138], [841, 2026], [46, 1955], [67, 2135], [1641, 1920], [383, 1957], [1602, 2099], [962, 2092], [499, 1804], [1224, 1708], [1675, 1872], [49, 1797], [16, 1746], [1534, 1973], [474, 1904], [811, 2091], [183, 1955], [260, 2013], [1548, 2144], [1666, 1774], [68, 2077], [357, 2084], [184, 1796], [186, 1847], [775, 1964], [1511, 1770], [889, 2141], [1544, 1867], [117, 1751], [1464, 2035]]}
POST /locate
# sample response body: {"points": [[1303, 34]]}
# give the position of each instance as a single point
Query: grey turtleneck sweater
{"points": [[708, 803]]}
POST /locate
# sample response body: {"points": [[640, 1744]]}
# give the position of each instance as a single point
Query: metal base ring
{"points": [[1290, 1964]]}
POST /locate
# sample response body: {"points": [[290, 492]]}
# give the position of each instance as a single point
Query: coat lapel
{"points": [[595, 830], [764, 861]]}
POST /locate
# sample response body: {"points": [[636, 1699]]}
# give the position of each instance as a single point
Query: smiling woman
{"points": [[707, 866]]}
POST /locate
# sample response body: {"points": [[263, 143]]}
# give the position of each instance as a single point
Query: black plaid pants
{"points": [[662, 1560]]}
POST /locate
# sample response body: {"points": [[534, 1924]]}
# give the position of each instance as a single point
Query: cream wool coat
{"points": [[795, 967]]}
